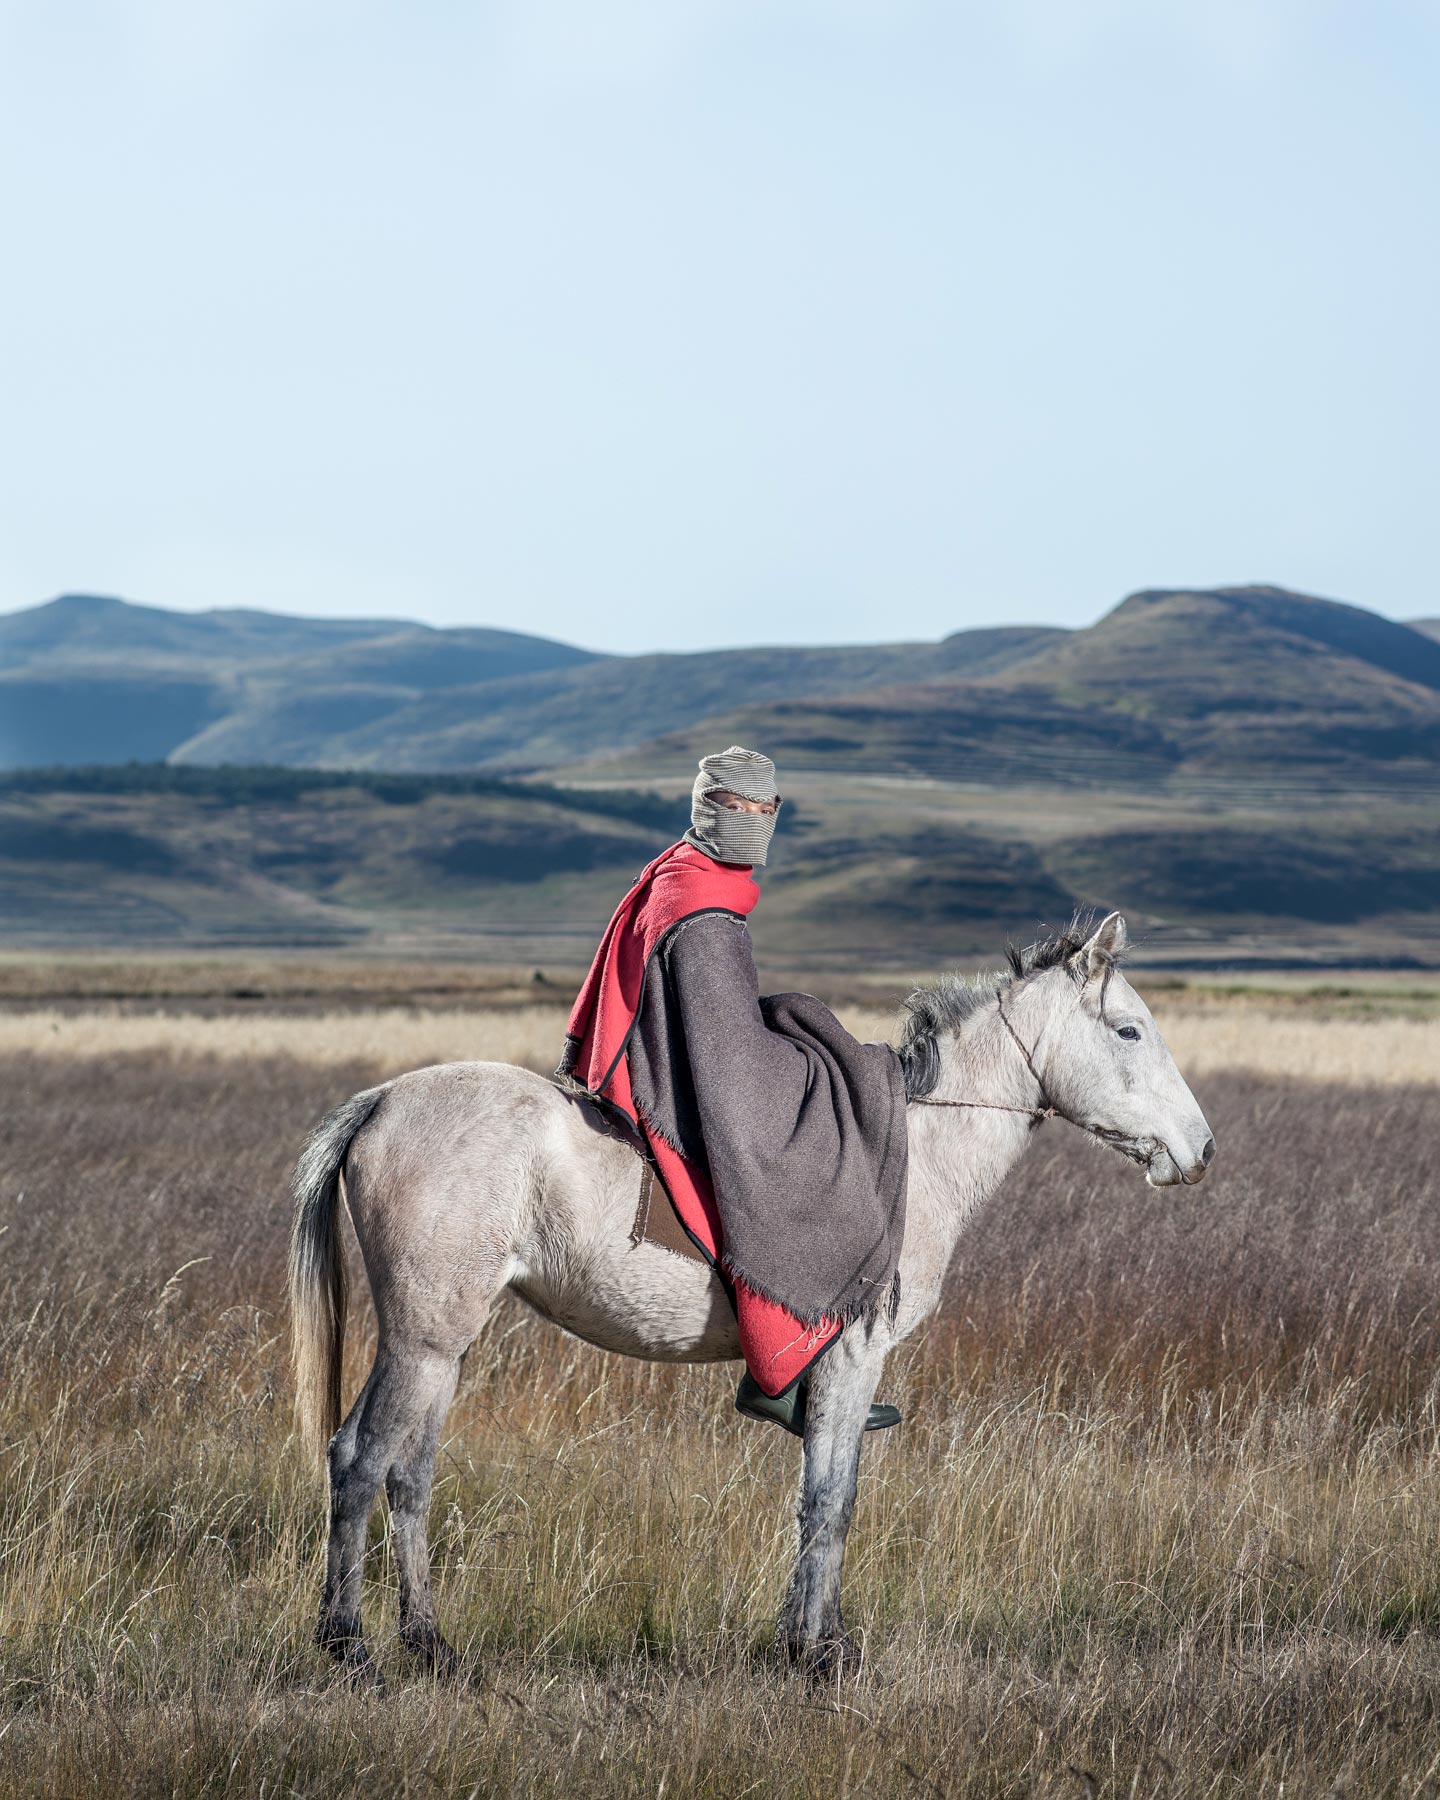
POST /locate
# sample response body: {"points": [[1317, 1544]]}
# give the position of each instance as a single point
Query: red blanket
{"points": [[679, 883]]}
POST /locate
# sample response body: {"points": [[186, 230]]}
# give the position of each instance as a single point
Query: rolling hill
{"points": [[86, 680], [545, 721], [1250, 684], [1171, 684], [1247, 771], [867, 873]]}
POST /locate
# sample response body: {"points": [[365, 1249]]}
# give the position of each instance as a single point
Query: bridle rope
{"points": [[1048, 1111]]}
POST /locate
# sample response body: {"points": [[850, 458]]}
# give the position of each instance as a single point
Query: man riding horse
{"points": [[779, 1139], [784, 1147]]}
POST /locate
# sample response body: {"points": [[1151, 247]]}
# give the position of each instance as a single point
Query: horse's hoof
{"points": [[348, 1649], [433, 1656], [363, 1674], [825, 1661], [359, 1670]]}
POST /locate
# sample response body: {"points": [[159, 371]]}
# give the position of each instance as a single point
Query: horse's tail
{"points": [[317, 1269]]}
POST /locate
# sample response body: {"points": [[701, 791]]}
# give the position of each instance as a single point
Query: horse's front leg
{"points": [[838, 1398]]}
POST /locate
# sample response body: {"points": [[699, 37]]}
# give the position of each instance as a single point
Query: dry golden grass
{"points": [[385, 1039], [1164, 1518], [1383, 1052], [267, 976], [1207, 1040]]}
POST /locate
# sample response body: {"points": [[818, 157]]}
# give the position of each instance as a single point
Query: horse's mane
{"points": [[937, 1011]]}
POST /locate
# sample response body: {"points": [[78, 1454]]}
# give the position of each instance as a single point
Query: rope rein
{"points": [[1048, 1111]]}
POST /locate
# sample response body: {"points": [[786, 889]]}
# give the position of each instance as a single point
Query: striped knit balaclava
{"points": [[733, 837]]}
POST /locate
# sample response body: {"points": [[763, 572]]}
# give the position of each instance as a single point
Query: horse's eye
{"points": [[1129, 1032]]}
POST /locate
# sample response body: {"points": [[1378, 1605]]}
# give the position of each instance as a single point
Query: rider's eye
{"points": [[1131, 1033]]}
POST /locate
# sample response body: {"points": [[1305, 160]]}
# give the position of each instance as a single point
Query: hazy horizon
{"points": [[660, 649], [483, 624]]}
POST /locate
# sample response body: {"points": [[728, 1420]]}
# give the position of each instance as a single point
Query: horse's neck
{"points": [[959, 1155]]}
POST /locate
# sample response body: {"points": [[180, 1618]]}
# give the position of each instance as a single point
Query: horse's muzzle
{"points": [[1164, 1171]]}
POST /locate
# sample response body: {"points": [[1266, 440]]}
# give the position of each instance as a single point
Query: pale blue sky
{"points": [[662, 324]]}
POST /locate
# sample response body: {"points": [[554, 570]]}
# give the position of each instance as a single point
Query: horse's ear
{"points": [[1105, 946]]}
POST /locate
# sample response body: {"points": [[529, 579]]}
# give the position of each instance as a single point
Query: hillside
{"points": [[545, 720], [1241, 638], [84, 679], [159, 854], [1171, 686], [91, 633], [867, 873], [1248, 772]]}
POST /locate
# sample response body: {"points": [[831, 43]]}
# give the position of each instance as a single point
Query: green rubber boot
{"points": [[788, 1410]]}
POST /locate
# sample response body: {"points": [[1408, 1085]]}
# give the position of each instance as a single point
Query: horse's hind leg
{"points": [[407, 1486], [394, 1404]]}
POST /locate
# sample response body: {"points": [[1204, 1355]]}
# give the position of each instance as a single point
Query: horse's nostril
{"points": [[1207, 1155]]}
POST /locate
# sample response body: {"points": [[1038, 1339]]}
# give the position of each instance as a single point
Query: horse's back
{"points": [[462, 1105], [472, 1177], [440, 1185]]}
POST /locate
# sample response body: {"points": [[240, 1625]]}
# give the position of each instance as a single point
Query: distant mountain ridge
{"points": [[1231, 765], [90, 678], [86, 679], [1170, 681], [1261, 644], [74, 626]]}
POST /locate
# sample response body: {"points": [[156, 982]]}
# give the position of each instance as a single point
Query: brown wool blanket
{"points": [[800, 1127]]}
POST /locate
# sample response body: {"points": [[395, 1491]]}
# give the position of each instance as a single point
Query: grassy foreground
{"points": [[1164, 1518]]}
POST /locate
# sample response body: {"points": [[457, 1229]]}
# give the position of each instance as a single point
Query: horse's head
{"points": [[1103, 1063]]}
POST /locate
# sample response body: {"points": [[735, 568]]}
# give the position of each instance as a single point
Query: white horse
{"points": [[466, 1179]]}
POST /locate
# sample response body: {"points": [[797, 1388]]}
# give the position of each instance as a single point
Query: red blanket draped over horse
{"points": [[681, 882]]}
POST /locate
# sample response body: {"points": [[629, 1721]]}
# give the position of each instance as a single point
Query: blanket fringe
{"points": [[887, 1300]]}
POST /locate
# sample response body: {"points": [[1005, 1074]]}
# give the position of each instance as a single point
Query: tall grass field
{"points": [[1163, 1519]]}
